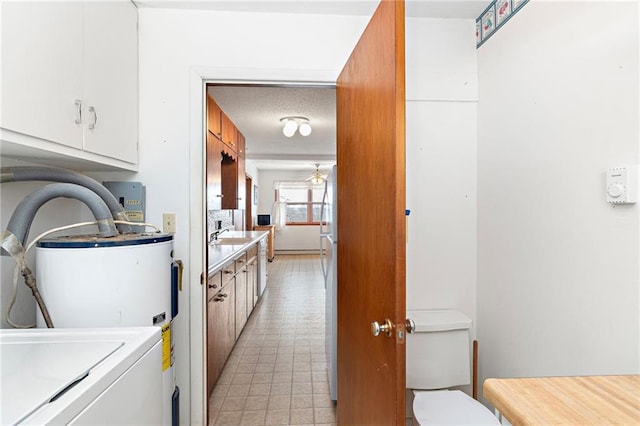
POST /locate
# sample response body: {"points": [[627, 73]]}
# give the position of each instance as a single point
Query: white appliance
{"points": [[81, 376], [126, 281], [262, 266], [329, 262]]}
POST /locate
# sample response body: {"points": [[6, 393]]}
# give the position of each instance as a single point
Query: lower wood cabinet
{"points": [[241, 295], [220, 331], [231, 295]]}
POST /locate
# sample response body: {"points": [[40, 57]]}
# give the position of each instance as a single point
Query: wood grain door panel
{"points": [[371, 223]]}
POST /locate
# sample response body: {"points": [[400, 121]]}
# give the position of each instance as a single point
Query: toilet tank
{"points": [[438, 350]]}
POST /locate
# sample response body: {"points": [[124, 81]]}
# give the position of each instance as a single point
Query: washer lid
{"points": [[439, 320], [46, 374], [35, 373], [450, 408]]}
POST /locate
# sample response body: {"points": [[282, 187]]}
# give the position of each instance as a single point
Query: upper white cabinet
{"points": [[70, 82]]}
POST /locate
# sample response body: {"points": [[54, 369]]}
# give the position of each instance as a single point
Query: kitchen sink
{"points": [[231, 240]]}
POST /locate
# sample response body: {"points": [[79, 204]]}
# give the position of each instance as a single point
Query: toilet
{"points": [[437, 359]]}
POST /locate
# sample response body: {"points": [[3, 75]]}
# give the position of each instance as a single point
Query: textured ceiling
{"points": [[256, 111]]}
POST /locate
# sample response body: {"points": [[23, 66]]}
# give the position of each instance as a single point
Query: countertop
{"points": [[219, 254], [587, 400]]}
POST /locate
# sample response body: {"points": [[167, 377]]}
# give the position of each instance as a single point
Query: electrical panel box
{"points": [[131, 196], [622, 185]]}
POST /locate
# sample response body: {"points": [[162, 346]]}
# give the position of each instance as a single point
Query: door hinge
{"points": [[201, 278]]}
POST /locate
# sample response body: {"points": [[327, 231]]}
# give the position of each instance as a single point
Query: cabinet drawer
{"points": [[241, 262], [214, 284], [228, 271], [252, 252]]}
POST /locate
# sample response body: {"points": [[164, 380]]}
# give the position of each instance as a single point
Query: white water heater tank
{"points": [[124, 281]]}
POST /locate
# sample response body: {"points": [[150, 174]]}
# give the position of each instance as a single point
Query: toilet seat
{"points": [[450, 407]]}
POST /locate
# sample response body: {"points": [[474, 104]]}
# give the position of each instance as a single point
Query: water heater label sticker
{"points": [[135, 215], [166, 346]]}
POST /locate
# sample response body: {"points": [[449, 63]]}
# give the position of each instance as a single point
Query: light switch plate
{"points": [[169, 223]]}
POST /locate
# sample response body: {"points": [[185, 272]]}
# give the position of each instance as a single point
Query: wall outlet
{"points": [[169, 223]]}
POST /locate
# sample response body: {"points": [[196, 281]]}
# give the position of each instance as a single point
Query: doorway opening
{"points": [[255, 154]]}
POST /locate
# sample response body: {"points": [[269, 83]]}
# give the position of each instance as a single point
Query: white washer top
{"points": [[450, 407], [38, 365]]}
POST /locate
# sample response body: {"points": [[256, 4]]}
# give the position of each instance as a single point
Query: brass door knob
{"points": [[386, 327]]}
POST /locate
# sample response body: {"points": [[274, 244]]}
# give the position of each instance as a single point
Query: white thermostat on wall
{"points": [[622, 185]]}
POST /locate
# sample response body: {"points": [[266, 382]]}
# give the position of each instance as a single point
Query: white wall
{"points": [[558, 267], [57, 212], [177, 49], [292, 238], [441, 164], [251, 170]]}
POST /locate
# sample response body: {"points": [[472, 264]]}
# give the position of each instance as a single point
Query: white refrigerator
{"points": [[329, 263]]}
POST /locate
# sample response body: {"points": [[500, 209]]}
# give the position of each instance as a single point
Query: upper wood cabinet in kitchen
{"points": [[229, 133], [214, 173], [241, 144], [70, 81], [214, 118]]}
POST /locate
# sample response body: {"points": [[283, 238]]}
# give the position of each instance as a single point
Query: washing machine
{"points": [[81, 376]]}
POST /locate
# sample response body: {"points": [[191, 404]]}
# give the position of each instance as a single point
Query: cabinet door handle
{"points": [[220, 195], [213, 286], [78, 104], [93, 123]]}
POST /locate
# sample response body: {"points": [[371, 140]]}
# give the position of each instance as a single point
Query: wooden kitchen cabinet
{"points": [[70, 82], [241, 294], [270, 239], [231, 152], [214, 118], [241, 144], [220, 331], [214, 173], [231, 296], [229, 132], [252, 278]]}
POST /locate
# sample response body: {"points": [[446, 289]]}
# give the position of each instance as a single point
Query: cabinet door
{"points": [[241, 144], [241, 298], [42, 70], [220, 332], [214, 173], [110, 101], [214, 117], [229, 182], [229, 132], [242, 189]]}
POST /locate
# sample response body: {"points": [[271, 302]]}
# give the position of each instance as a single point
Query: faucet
{"points": [[214, 235]]}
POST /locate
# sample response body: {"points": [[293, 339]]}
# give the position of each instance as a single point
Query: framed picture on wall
{"points": [[503, 11], [488, 21], [517, 4], [478, 32], [255, 195]]}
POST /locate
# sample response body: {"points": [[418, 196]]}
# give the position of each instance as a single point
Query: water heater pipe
{"points": [[54, 174], [22, 216]]}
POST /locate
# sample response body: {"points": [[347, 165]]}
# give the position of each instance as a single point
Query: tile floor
{"points": [[277, 372]]}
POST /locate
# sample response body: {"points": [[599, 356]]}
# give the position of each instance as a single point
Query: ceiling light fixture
{"points": [[317, 177], [291, 124]]}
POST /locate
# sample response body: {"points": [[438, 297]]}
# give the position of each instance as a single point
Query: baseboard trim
{"points": [[309, 252]]}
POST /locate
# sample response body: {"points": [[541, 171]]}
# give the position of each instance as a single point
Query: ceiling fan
{"points": [[317, 177]]}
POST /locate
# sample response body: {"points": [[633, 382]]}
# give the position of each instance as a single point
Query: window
{"points": [[303, 202]]}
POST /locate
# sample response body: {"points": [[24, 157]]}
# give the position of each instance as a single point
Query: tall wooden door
{"points": [[371, 224]]}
